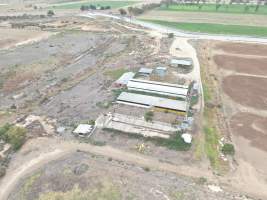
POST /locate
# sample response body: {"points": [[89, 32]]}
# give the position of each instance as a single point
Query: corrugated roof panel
{"points": [[146, 100], [158, 88]]}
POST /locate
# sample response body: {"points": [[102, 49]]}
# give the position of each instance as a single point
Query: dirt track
{"points": [[53, 150]]}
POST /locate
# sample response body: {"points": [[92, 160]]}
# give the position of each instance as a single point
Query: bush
{"points": [[170, 35], [50, 13], [175, 142], [148, 116], [228, 149]]}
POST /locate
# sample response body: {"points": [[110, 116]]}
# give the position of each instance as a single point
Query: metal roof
{"points": [[158, 88], [83, 129], [148, 101], [181, 62], [125, 78], [145, 70]]}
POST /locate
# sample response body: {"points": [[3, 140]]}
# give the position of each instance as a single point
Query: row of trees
{"points": [[138, 10], [218, 3], [93, 7]]}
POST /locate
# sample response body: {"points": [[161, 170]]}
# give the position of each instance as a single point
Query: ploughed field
{"points": [[245, 79]]}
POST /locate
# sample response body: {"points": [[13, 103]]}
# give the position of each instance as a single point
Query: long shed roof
{"points": [[158, 87], [125, 78], [147, 101]]}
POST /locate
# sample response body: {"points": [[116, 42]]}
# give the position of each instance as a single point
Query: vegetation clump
{"points": [[14, 135], [228, 149], [149, 116]]}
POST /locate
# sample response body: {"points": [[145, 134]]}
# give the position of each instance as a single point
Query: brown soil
{"points": [[252, 127], [240, 48], [243, 65], [248, 91]]}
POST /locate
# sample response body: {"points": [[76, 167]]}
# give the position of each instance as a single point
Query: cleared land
{"points": [[215, 28], [256, 66], [14, 37], [252, 127], [246, 90], [246, 49], [77, 5], [201, 17], [234, 8], [239, 87]]}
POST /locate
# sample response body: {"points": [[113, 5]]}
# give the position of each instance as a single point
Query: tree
{"points": [[83, 8], [50, 13], [130, 10], [257, 6], [122, 12], [228, 149], [149, 116]]}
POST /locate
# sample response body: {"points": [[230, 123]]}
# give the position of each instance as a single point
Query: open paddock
{"points": [[241, 48], [242, 65], [246, 90], [251, 127]]}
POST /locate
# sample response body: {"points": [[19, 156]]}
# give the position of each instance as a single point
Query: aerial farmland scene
{"points": [[133, 100]]}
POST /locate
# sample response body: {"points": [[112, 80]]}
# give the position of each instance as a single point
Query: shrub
{"points": [[16, 136], [148, 116], [228, 149], [50, 13], [170, 35]]}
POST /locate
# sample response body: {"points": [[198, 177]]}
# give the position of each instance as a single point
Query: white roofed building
{"points": [[167, 89], [146, 101]]}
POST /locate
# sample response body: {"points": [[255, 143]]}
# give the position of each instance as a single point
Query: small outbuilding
{"points": [[161, 71], [83, 130], [145, 71], [183, 62], [123, 80]]}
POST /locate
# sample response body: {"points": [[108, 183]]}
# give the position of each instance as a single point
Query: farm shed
{"points": [[155, 87], [181, 62], [123, 80], [145, 101], [83, 129], [145, 71]]}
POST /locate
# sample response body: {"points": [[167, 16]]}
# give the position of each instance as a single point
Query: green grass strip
{"points": [[215, 28]]}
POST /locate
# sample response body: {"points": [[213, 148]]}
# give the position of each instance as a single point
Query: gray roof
{"points": [[181, 62], [125, 78], [148, 101], [145, 70], [158, 87]]}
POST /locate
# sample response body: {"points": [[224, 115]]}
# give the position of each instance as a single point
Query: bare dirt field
{"points": [[238, 72], [195, 17], [252, 127], [248, 91], [245, 49], [254, 66], [14, 37]]}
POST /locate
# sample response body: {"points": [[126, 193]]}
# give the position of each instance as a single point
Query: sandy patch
{"points": [[16, 37]]}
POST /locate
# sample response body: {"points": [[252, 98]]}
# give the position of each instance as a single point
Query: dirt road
{"points": [[52, 149]]}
